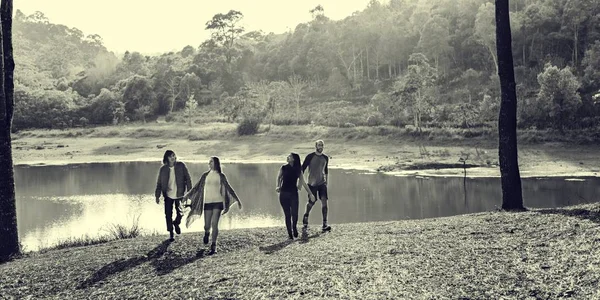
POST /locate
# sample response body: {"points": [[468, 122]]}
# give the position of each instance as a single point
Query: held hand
{"points": [[239, 205]]}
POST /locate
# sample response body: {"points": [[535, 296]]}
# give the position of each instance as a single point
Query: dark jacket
{"points": [[182, 180]]}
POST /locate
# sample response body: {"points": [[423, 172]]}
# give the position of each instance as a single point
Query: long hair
{"points": [[296, 166], [166, 156], [216, 164]]}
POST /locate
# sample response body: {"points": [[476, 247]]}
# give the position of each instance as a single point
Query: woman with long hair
{"points": [[287, 187], [212, 195]]}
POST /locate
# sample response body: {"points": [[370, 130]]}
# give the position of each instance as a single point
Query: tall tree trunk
{"points": [[494, 58], [377, 66], [362, 68], [575, 42], [368, 68], [531, 48], [353, 65], [512, 198], [8, 212], [297, 110], [173, 97]]}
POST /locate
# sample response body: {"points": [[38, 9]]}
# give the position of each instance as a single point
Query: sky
{"points": [[153, 26]]}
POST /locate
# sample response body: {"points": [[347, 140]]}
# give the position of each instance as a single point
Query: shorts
{"points": [[319, 191], [213, 205]]}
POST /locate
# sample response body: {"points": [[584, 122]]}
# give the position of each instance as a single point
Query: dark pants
{"points": [[169, 212], [289, 203], [320, 192]]}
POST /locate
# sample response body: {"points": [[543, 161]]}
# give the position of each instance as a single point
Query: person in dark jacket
{"points": [[172, 183]]}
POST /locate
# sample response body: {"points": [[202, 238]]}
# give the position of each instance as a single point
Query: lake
{"points": [[55, 203]]}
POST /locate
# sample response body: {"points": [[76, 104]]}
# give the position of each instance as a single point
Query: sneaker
{"points": [[200, 253], [326, 228], [205, 239], [171, 236], [177, 229], [213, 249]]}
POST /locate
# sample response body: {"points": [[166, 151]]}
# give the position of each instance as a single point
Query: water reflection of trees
{"points": [[354, 197]]}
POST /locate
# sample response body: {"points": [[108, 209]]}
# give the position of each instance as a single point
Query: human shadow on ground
{"points": [[162, 266], [275, 247], [165, 265], [305, 238]]}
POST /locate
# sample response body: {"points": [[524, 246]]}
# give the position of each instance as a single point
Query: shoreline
{"points": [[441, 172], [394, 158]]}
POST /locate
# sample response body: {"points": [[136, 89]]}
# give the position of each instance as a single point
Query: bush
{"points": [[248, 126], [283, 120], [42, 109], [170, 118], [83, 121], [398, 122], [375, 119]]}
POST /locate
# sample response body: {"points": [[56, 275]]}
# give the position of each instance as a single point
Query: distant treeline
{"points": [[404, 62]]}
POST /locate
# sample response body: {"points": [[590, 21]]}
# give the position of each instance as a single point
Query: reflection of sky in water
{"points": [[55, 203], [96, 214]]}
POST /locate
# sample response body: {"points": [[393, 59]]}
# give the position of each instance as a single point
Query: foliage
{"points": [[226, 30], [375, 119], [296, 86], [372, 54], [415, 90], [248, 126], [138, 93], [557, 100], [114, 232], [591, 65], [489, 108], [43, 109], [190, 107], [106, 108]]}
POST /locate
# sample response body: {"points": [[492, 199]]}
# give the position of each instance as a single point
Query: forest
{"points": [[395, 63]]}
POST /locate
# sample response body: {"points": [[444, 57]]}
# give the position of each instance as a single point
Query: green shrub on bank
{"points": [[248, 126]]}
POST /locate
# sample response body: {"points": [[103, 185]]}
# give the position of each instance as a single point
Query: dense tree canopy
{"points": [[365, 57]]}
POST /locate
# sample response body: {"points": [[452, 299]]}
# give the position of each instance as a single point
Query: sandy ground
{"points": [[395, 157]]}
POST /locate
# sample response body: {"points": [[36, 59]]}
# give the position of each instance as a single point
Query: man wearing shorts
{"points": [[317, 163]]}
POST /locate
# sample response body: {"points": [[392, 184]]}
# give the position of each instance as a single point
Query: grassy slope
{"points": [[542, 254]]}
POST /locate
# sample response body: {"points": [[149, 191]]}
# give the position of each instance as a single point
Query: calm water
{"points": [[58, 202]]}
